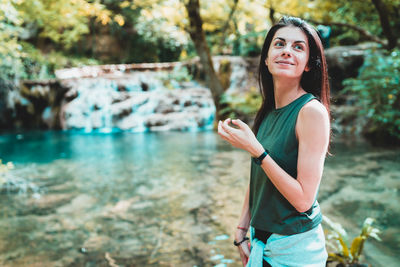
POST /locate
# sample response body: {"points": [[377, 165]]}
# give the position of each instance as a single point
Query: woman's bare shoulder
{"points": [[314, 110], [313, 121]]}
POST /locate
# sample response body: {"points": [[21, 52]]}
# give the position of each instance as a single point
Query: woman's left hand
{"points": [[242, 138]]}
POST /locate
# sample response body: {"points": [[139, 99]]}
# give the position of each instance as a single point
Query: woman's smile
{"points": [[284, 62]]}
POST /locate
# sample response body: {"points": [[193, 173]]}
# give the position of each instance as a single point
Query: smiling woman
{"points": [[288, 53], [288, 147]]}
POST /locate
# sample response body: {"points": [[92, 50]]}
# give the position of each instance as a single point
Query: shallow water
{"points": [[166, 199]]}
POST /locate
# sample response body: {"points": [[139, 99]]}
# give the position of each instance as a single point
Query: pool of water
{"points": [[166, 199]]}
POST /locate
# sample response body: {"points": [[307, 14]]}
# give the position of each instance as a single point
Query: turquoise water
{"points": [[165, 199]]}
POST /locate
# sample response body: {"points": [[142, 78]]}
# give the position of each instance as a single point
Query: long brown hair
{"points": [[314, 81]]}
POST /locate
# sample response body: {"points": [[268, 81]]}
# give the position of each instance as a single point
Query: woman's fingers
{"points": [[243, 256], [225, 125], [221, 131], [229, 129], [245, 248], [239, 123]]}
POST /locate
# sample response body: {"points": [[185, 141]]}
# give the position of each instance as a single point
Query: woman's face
{"points": [[288, 53]]}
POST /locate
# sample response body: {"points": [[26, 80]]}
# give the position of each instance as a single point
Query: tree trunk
{"points": [[225, 28], [272, 15], [269, 5], [383, 16], [198, 37]]}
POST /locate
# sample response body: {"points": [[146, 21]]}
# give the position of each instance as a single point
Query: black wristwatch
{"points": [[259, 160]]}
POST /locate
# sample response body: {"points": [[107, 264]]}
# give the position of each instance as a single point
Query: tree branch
{"points": [[226, 25], [360, 30], [363, 32], [383, 17]]}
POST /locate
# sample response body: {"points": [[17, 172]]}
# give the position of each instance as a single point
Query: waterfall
{"points": [[112, 98]]}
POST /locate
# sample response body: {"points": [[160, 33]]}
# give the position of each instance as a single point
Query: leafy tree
{"points": [[378, 96], [150, 33], [26, 25], [63, 22], [10, 49]]}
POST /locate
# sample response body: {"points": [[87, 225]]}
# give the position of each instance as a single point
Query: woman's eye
{"points": [[279, 44], [299, 47]]}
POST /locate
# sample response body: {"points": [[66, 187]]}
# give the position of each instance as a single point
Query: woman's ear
{"points": [[266, 61], [307, 68]]}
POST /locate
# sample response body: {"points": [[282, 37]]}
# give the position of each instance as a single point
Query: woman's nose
{"points": [[286, 51]]}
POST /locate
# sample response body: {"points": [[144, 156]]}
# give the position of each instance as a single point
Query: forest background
{"points": [[39, 36]]}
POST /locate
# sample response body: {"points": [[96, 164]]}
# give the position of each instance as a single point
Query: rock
{"points": [[95, 243], [344, 62], [78, 204], [47, 203], [35, 104], [71, 95]]}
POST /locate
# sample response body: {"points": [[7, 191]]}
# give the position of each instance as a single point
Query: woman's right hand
{"points": [[244, 250]]}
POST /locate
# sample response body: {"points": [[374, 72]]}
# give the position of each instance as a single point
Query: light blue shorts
{"points": [[304, 249]]}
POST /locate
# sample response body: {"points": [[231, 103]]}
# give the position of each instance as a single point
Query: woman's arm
{"points": [[244, 222], [312, 130]]}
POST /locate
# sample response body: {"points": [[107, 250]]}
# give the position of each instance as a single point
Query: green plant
{"points": [[241, 104], [180, 74], [378, 95], [345, 254], [172, 79]]}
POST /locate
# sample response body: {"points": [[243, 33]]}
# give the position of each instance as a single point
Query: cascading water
{"points": [[137, 102]]}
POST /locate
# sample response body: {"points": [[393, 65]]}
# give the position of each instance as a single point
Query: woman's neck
{"points": [[286, 90]]}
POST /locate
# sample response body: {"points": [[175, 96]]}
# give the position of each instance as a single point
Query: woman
{"points": [[288, 148]]}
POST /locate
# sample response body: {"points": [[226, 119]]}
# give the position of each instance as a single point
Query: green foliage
{"points": [[30, 63], [10, 49], [63, 22], [241, 105], [378, 93], [249, 44], [150, 33], [359, 13], [179, 74], [344, 253], [155, 30]]}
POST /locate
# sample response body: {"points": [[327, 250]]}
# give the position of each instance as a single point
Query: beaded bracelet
{"points": [[238, 243]]}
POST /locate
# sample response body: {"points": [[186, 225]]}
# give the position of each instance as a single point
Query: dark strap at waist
{"points": [[262, 235]]}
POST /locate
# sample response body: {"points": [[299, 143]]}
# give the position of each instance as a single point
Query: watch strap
{"points": [[259, 159]]}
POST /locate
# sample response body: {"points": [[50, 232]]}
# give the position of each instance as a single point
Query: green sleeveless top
{"points": [[270, 211]]}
